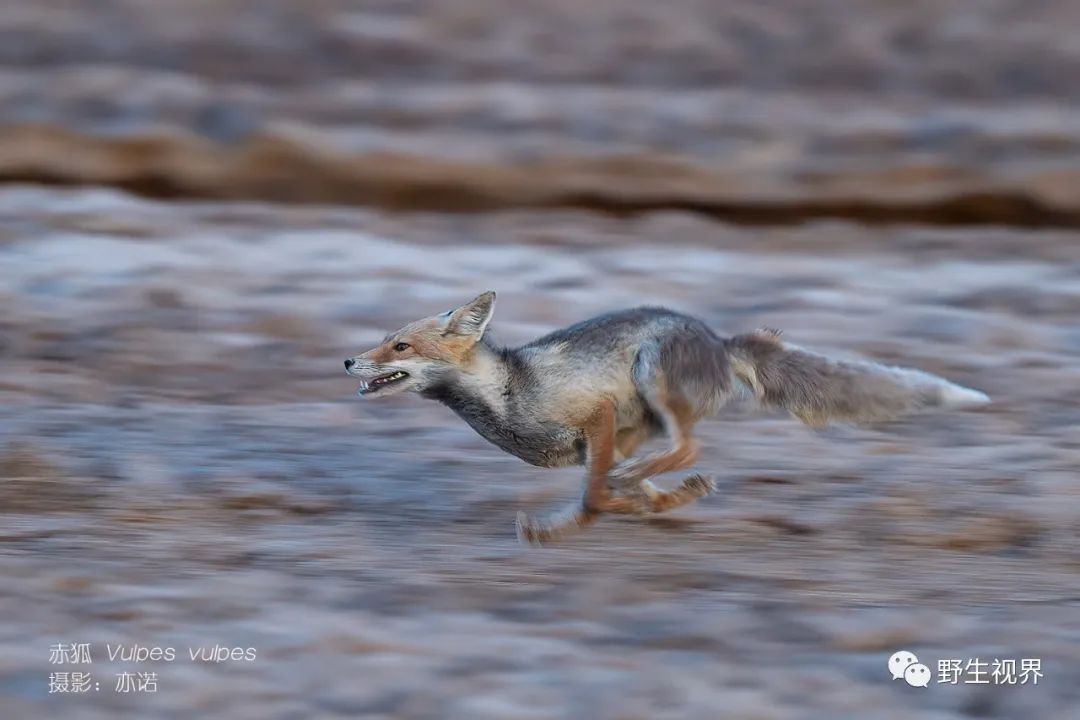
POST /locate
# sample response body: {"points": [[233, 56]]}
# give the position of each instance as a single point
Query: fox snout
{"points": [[377, 377], [354, 365]]}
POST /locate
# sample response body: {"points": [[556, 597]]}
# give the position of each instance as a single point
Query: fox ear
{"points": [[472, 318]]}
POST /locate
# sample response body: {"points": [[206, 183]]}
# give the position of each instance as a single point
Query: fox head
{"points": [[418, 355]]}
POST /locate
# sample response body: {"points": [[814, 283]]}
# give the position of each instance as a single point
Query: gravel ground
{"points": [[184, 464]]}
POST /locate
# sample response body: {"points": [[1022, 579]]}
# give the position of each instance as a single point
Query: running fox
{"points": [[591, 393]]}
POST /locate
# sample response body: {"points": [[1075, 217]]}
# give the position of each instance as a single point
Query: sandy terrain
{"points": [[185, 465], [206, 205]]}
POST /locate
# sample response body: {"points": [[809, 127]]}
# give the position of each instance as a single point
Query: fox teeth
{"points": [[388, 378]]}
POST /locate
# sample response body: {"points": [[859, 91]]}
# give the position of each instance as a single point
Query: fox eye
{"points": [[401, 347]]}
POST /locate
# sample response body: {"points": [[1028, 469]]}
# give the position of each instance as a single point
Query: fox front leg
{"points": [[531, 531]]}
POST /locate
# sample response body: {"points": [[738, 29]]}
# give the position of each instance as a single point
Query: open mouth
{"points": [[382, 381]]}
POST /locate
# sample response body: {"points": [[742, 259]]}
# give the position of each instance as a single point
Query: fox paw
{"points": [[539, 532], [699, 485], [529, 531], [536, 533]]}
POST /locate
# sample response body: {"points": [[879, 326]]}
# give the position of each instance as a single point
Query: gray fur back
{"points": [[611, 332], [666, 346]]}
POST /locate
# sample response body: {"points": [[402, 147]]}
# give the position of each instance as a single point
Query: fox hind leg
{"points": [[650, 497], [676, 413], [601, 448], [691, 489], [677, 416]]}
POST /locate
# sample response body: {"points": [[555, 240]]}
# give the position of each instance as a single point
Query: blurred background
{"points": [[205, 205]]}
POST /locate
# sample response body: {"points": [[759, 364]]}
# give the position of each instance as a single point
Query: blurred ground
{"points": [[183, 462]]}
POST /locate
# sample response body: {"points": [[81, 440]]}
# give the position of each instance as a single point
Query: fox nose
{"points": [[349, 363]]}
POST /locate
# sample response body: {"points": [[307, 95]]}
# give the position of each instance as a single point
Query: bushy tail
{"points": [[817, 389]]}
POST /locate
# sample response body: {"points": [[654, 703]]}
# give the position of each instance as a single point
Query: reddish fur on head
{"points": [[426, 339], [423, 348]]}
